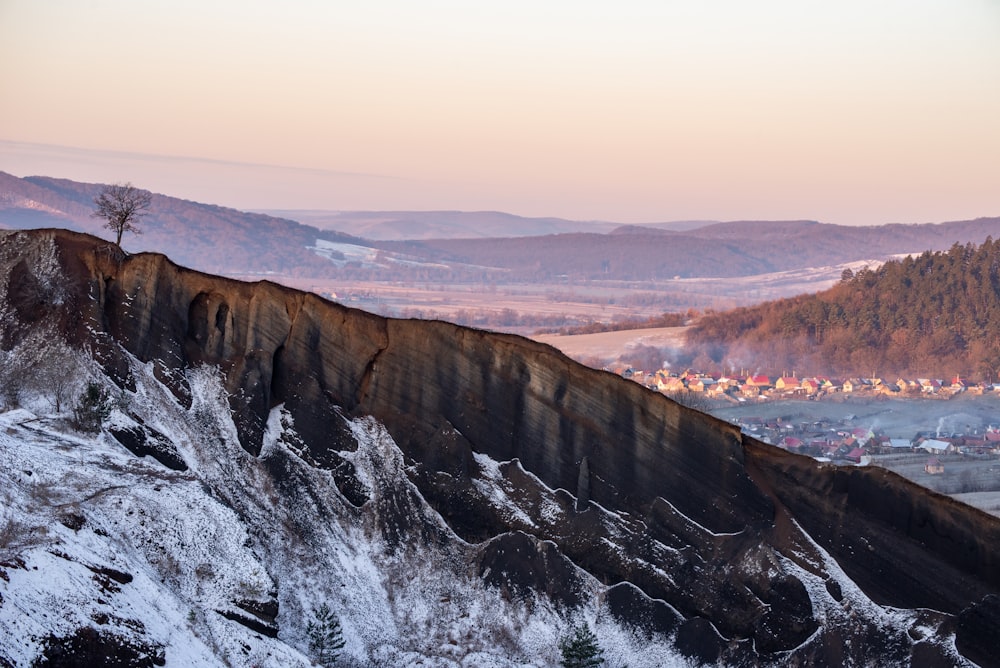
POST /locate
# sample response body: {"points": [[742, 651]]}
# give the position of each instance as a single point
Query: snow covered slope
{"points": [[455, 497], [104, 553]]}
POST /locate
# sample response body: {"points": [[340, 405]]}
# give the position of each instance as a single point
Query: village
{"points": [[825, 424], [740, 388]]}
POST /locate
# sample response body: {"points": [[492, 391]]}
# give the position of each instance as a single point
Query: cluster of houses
{"points": [[842, 443], [762, 387], [839, 442]]}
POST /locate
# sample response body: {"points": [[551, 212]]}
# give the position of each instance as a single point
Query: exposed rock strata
{"points": [[712, 531]]}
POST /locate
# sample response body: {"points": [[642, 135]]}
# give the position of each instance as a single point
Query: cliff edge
{"points": [[735, 550]]}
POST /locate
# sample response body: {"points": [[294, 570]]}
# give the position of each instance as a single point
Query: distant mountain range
{"points": [[403, 225], [497, 247], [724, 250]]}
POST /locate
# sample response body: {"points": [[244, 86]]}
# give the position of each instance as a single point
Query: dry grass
{"points": [[611, 345], [16, 537]]}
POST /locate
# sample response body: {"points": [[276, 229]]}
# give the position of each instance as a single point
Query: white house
{"points": [[934, 446]]}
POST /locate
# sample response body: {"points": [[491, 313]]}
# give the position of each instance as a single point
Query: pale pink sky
{"points": [[851, 112]]}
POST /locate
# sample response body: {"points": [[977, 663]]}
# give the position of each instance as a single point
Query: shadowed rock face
{"points": [[696, 529]]}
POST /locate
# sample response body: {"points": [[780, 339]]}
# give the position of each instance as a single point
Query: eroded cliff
{"points": [[699, 533]]}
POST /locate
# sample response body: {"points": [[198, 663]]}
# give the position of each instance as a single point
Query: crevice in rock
{"points": [[583, 485], [367, 376]]}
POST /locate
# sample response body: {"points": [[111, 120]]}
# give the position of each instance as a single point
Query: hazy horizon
{"points": [[853, 113]]}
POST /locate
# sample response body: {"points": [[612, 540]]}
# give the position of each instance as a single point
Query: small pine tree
{"points": [[93, 408], [325, 637], [580, 649]]}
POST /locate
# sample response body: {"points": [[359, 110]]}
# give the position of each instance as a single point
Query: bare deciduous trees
{"points": [[122, 205]]}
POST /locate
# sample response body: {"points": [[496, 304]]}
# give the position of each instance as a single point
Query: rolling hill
{"points": [[199, 235], [224, 240]]}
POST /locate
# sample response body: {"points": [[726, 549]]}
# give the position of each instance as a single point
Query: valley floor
{"points": [[898, 418], [608, 346], [975, 481]]}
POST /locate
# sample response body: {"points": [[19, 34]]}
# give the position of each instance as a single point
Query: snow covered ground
{"points": [[184, 567], [210, 556], [341, 253]]}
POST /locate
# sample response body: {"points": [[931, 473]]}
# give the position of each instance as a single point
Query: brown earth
{"points": [[677, 503]]}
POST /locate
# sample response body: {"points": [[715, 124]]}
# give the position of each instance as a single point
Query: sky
{"points": [[849, 112]]}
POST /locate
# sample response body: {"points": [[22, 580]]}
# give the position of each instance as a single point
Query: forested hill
{"points": [[202, 236], [935, 314]]}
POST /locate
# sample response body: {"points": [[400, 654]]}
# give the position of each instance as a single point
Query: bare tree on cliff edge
{"points": [[122, 205]]}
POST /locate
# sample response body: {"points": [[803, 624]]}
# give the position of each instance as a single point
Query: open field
{"points": [[975, 482], [986, 501], [429, 300], [971, 480], [577, 301], [897, 418], [610, 345]]}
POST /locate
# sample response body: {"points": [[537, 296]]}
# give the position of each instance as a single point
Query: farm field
{"points": [[443, 301], [609, 346], [538, 305], [974, 481]]}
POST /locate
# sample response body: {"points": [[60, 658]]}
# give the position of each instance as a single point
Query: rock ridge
{"points": [[722, 529]]}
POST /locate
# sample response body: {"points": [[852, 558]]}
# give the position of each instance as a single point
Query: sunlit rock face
{"points": [[571, 485]]}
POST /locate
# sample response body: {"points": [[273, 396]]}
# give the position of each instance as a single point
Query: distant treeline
{"points": [[539, 323], [935, 314], [662, 320], [503, 319]]}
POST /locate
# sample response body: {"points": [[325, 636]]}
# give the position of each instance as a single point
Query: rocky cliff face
{"points": [[729, 549]]}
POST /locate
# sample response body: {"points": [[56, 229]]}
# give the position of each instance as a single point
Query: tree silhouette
{"points": [[122, 205]]}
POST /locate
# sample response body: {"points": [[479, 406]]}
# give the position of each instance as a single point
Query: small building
{"points": [[935, 446], [787, 383], [670, 384], [701, 384], [934, 466], [929, 385], [810, 385], [829, 384], [887, 388], [855, 455], [862, 435]]}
